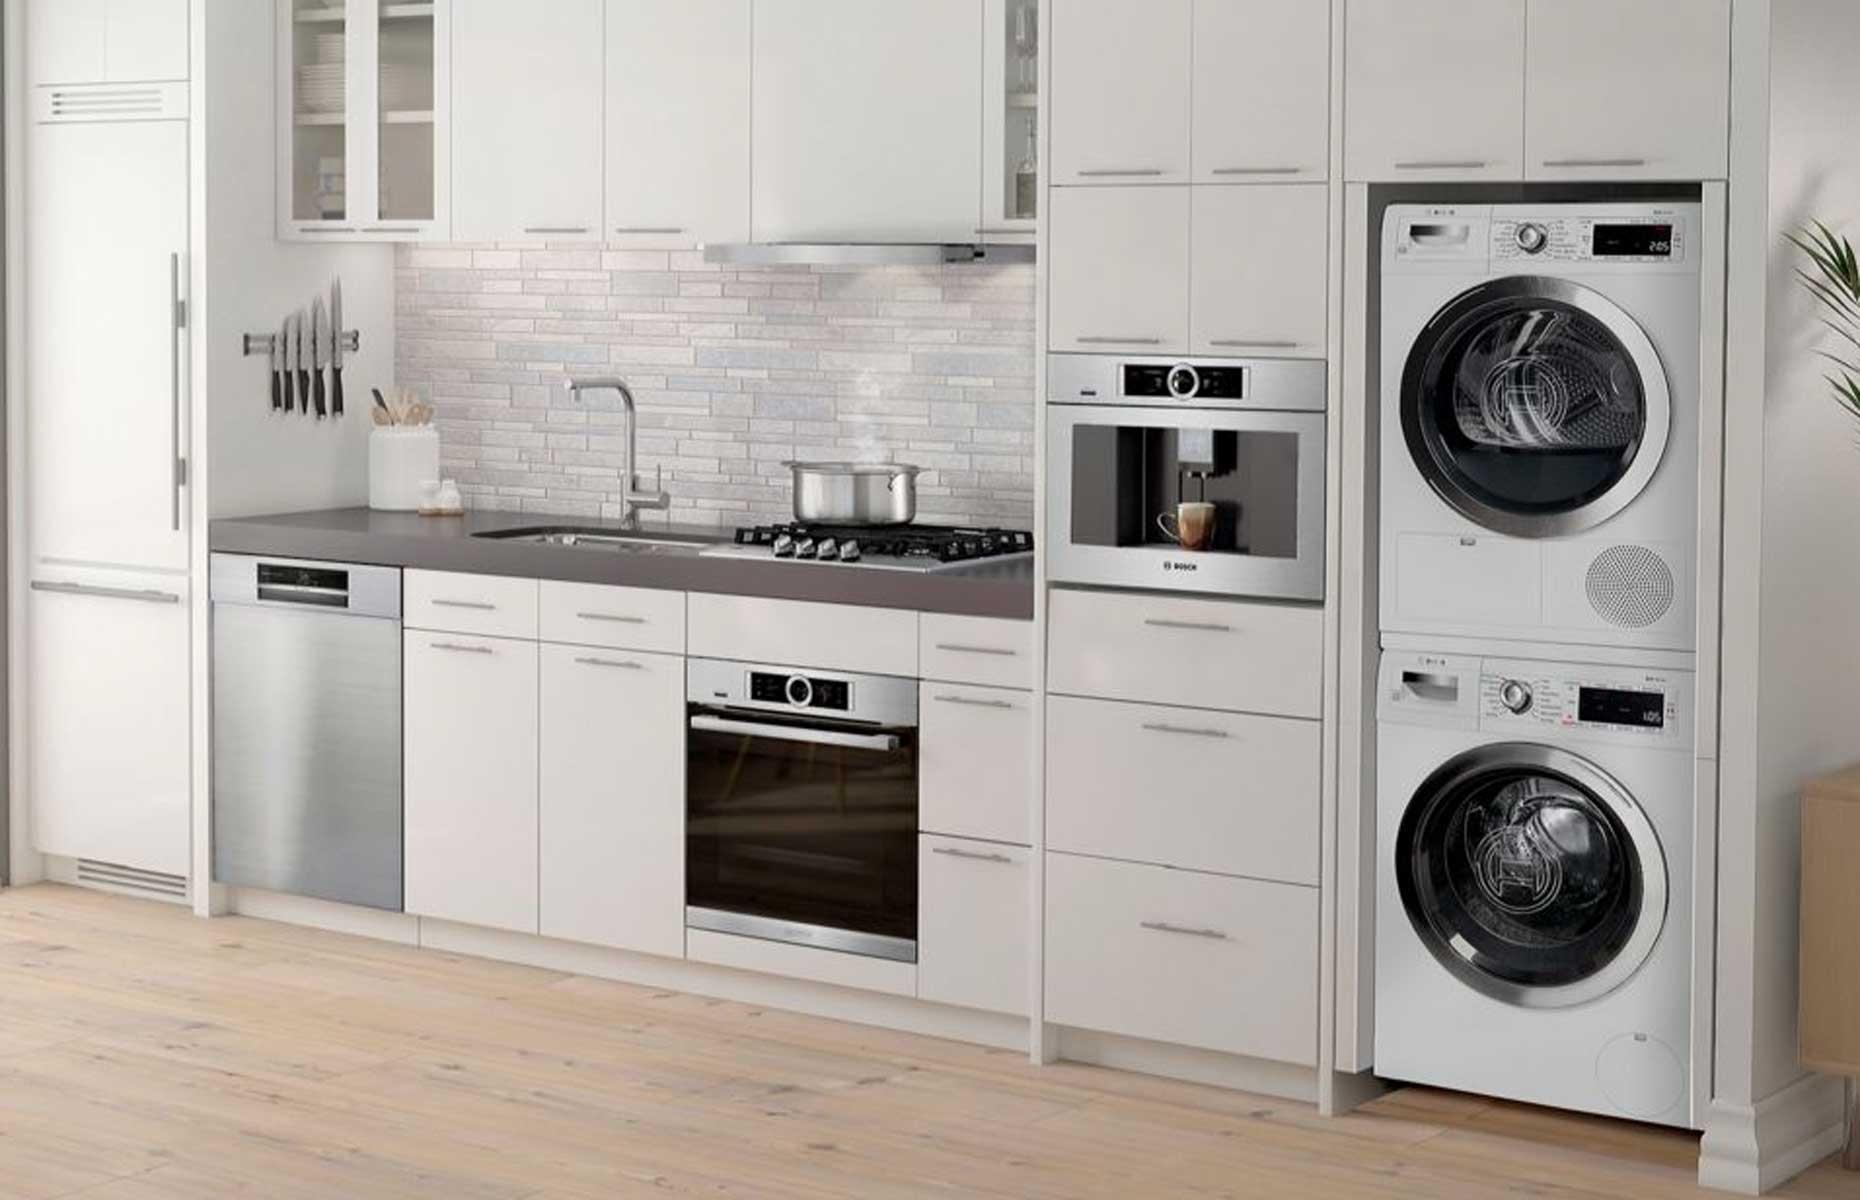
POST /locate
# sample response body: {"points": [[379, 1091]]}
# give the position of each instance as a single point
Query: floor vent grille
{"points": [[134, 880]]}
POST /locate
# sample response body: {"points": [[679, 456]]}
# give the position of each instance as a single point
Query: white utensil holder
{"points": [[399, 460]]}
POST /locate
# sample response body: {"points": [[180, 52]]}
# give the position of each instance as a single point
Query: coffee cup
{"points": [[1190, 526]]}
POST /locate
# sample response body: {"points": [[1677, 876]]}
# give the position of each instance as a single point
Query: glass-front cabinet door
{"points": [[1010, 133], [363, 113]]}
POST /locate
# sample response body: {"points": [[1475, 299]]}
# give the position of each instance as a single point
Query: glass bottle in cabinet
{"points": [[364, 107], [1010, 137]]}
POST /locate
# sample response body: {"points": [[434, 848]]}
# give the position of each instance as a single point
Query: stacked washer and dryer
{"points": [[1539, 509]]}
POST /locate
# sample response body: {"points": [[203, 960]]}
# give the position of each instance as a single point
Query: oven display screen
{"points": [[1633, 241], [1608, 706]]}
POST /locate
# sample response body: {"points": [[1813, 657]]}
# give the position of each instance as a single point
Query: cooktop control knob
{"points": [[1184, 382], [800, 691], [1532, 238], [1516, 695]]}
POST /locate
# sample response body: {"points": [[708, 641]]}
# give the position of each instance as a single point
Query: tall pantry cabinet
{"points": [[107, 501]]}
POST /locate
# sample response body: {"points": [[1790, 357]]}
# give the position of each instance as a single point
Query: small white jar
{"points": [[400, 458]]}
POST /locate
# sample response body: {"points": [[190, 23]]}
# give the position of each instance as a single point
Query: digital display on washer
{"points": [[1633, 241], [1611, 706]]}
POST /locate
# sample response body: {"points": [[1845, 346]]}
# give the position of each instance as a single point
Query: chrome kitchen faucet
{"points": [[631, 499]]}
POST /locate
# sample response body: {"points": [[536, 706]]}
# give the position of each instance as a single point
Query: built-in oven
{"points": [[801, 807], [1187, 476]]}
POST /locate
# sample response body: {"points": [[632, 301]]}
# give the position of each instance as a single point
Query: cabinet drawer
{"points": [[1173, 956], [800, 633], [1190, 788], [1264, 658], [984, 650], [972, 924], [491, 605], [975, 761], [621, 618]]}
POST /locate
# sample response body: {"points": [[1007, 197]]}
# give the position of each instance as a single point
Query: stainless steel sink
{"points": [[597, 538]]}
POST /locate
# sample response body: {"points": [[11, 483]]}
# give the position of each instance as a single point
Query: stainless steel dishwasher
{"points": [[307, 728]]}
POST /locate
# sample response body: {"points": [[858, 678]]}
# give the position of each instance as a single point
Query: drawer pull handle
{"points": [[1260, 343], [1595, 162], [461, 648], [1188, 731], [145, 595], [615, 663], [1442, 164], [1122, 173], [665, 230], [616, 618], [971, 855], [964, 700], [548, 229], [474, 605], [1105, 340], [1257, 171], [1184, 930], [1193, 626], [955, 648]]}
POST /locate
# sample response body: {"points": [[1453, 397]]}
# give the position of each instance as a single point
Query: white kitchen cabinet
{"points": [[527, 84], [613, 799], [803, 633], [991, 651], [1434, 89], [107, 717], [1010, 126], [1119, 269], [471, 758], [1260, 271], [106, 367], [1261, 91], [456, 602], [1120, 79], [106, 41], [972, 925], [620, 618], [975, 761], [867, 120], [677, 122], [1180, 957], [364, 120], [1628, 89]]}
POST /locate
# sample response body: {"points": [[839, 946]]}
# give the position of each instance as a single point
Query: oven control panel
{"points": [[800, 691], [834, 697]]}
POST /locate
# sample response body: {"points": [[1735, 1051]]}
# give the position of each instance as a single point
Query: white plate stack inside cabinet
{"points": [[975, 715]]}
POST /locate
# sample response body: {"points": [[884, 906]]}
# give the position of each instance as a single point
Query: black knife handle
{"points": [[335, 390], [316, 390], [277, 391], [290, 400], [303, 390]]}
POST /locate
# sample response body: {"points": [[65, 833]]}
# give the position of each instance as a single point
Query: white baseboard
{"points": [[322, 914], [1186, 1063], [1750, 1149]]}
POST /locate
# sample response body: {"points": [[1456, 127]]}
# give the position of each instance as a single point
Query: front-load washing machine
{"points": [[1539, 380], [1534, 905]]}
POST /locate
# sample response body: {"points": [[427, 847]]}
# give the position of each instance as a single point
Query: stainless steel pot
{"points": [[844, 493]]}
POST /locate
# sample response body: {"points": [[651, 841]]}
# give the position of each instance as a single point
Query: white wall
{"points": [[258, 461]]}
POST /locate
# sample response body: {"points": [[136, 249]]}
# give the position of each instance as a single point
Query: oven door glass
{"points": [[808, 830], [1122, 477]]}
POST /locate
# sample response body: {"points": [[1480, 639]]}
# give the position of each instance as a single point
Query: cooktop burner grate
{"points": [[856, 543]]}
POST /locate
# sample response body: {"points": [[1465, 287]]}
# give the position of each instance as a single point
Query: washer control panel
{"points": [[1548, 237], [1638, 705]]}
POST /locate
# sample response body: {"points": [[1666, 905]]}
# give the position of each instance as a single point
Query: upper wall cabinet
{"points": [[1261, 91], [364, 128], [867, 120], [1120, 110], [1537, 89], [1010, 133], [526, 116], [106, 41], [677, 122], [1628, 89], [1434, 89]]}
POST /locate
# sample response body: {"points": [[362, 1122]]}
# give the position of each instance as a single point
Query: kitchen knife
{"points": [[283, 348], [335, 347], [277, 374], [300, 360], [319, 329]]}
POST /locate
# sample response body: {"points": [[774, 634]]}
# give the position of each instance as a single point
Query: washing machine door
{"points": [[1535, 407], [1531, 875]]}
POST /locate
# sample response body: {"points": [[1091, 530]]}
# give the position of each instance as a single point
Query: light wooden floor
{"points": [[145, 1055]]}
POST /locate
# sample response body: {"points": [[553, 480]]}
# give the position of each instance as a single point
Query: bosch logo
{"points": [[1172, 565]]}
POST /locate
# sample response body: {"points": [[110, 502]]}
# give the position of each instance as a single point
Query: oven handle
{"points": [[885, 742]]}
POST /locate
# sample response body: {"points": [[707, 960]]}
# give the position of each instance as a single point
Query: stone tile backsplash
{"points": [[735, 369]]}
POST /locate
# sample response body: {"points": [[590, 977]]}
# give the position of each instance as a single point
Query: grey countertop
{"points": [[362, 535]]}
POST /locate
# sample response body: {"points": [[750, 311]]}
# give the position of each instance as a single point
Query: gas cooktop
{"points": [[897, 547]]}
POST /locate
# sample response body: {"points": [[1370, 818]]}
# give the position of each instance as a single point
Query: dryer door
{"points": [[1535, 407], [1531, 875]]}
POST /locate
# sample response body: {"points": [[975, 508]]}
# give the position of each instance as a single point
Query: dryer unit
{"points": [[1534, 883], [1540, 422]]}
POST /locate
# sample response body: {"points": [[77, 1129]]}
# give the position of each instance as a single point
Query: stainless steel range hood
{"points": [[866, 254]]}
